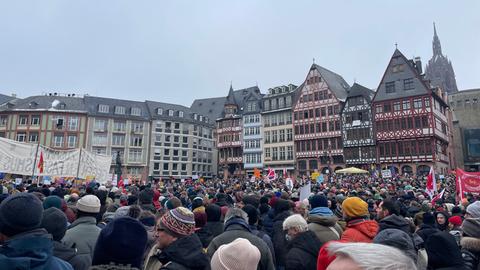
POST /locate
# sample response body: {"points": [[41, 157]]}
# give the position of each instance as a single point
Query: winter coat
{"points": [[238, 228], [148, 207], [31, 250], [264, 236], [267, 222], [278, 238], [214, 227], [360, 230], [82, 235], [426, 230], [186, 253], [205, 236], [325, 228], [471, 252], [303, 251], [443, 252], [395, 222], [112, 267], [70, 255]]}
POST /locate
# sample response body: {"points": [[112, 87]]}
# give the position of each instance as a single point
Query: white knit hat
{"points": [[237, 255], [89, 204]]}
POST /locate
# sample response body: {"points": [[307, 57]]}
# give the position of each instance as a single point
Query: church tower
{"points": [[439, 69]]}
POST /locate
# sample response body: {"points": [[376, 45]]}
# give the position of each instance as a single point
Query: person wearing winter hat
{"points": [[52, 201], [470, 243], [55, 222], [25, 244], [122, 243], [443, 252], [398, 239], [359, 227], [322, 221], [427, 227], [177, 245], [214, 214], [236, 226], [473, 210], [145, 199], [454, 224], [237, 255], [82, 234]]}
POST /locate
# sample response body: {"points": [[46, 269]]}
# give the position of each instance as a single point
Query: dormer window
{"points": [[62, 106], [170, 112], [136, 111], [119, 110], [180, 114], [195, 116], [33, 104], [159, 111], [200, 118], [103, 108]]}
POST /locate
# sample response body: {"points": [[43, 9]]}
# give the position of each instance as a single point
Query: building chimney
{"points": [[418, 65]]}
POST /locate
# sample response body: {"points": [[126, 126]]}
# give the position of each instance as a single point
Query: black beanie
{"points": [[121, 242], [214, 212], [428, 218], [252, 213], [318, 201], [55, 222], [19, 213]]}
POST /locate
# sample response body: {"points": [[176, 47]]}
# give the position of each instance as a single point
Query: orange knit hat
{"points": [[355, 207]]}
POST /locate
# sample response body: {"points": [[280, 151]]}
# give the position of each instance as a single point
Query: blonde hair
{"points": [[295, 221], [373, 256]]}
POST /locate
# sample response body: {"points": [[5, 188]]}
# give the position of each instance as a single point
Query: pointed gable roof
{"points": [[230, 97], [359, 90], [335, 82], [404, 69]]}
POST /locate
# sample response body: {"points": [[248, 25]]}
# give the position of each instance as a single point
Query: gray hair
{"points": [[373, 256], [236, 212], [295, 221]]}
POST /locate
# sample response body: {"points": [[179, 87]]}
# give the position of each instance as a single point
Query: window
{"points": [[170, 113], [159, 111], [135, 155], [330, 110], [99, 125], [406, 105], [35, 120], [184, 167], [137, 127], [176, 126], [119, 110], [136, 141], [165, 166], [180, 114], [99, 139], [390, 87], [23, 120], [33, 137], [289, 152], [427, 102], [72, 141], [99, 150], [3, 120], [396, 106], [408, 84], [417, 103], [282, 135], [73, 123], [282, 153], [387, 107], [379, 109], [118, 140], [103, 108], [21, 137], [58, 140], [274, 136], [119, 126], [136, 111], [397, 68], [267, 152]]}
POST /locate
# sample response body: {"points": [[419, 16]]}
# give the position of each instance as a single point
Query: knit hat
{"points": [[173, 203], [121, 242], [55, 222], [19, 213], [455, 220], [318, 201], [122, 211], [474, 209], [89, 204], [178, 222], [428, 218], [398, 239], [471, 227], [237, 255], [355, 207], [52, 201]]}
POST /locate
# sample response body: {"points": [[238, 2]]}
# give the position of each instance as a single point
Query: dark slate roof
{"points": [[92, 104], [4, 98], [51, 103], [420, 86], [231, 97], [359, 90], [188, 114], [335, 82]]}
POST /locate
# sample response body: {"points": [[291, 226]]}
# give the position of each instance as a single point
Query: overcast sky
{"points": [[176, 51]]}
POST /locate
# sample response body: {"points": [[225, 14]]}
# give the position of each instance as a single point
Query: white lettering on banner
{"points": [[16, 158]]}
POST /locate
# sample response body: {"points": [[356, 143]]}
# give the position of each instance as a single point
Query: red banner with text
{"points": [[467, 182]]}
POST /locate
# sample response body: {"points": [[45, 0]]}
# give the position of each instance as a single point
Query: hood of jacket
{"points": [[187, 251], [236, 224], [84, 220], [367, 227], [443, 251], [306, 241], [394, 222], [29, 250], [399, 239], [322, 220], [321, 211]]}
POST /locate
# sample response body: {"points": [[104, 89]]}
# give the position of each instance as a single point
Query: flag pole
{"points": [[35, 161]]}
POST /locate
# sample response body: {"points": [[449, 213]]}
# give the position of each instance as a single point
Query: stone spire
{"points": [[437, 47]]}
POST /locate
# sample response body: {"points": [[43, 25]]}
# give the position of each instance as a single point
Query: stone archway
{"points": [[407, 169], [423, 170]]}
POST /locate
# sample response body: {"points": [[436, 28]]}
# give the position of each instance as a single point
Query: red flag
{"points": [[431, 183], [467, 182], [284, 172], [40, 163], [271, 174], [438, 196]]}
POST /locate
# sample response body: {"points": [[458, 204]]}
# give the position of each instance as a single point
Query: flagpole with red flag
{"points": [[431, 183]]}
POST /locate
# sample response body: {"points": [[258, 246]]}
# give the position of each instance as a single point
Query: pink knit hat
{"points": [[237, 255]]}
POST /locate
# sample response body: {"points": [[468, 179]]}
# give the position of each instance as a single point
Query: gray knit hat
{"points": [[471, 227], [474, 209], [89, 204], [55, 222], [19, 213]]}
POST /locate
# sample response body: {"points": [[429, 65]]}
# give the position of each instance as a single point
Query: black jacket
{"points": [[184, 253], [443, 252], [278, 239], [215, 227], [426, 230], [303, 252], [70, 255], [394, 222], [471, 252], [205, 236]]}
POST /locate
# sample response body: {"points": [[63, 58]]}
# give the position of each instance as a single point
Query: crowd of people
{"points": [[346, 222]]}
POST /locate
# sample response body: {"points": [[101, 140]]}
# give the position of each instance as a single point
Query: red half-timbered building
{"points": [[410, 119], [316, 113]]}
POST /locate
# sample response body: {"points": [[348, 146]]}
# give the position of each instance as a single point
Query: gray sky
{"points": [[176, 51]]}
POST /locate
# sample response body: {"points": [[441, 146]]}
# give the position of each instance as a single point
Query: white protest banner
{"points": [[57, 162], [16, 157], [305, 191], [386, 174], [96, 165]]}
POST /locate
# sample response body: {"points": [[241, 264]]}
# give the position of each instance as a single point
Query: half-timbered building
{"points": [[316, 111], [410, 119], [357, 129]]}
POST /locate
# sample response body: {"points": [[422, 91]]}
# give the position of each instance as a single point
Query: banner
{"points": [[16, 157], [467, 182], [305, 191], [95, 165], [57, 162], [386, 174]]}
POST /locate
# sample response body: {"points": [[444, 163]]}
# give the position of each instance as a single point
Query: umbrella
{"points": [[351, 170]]}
